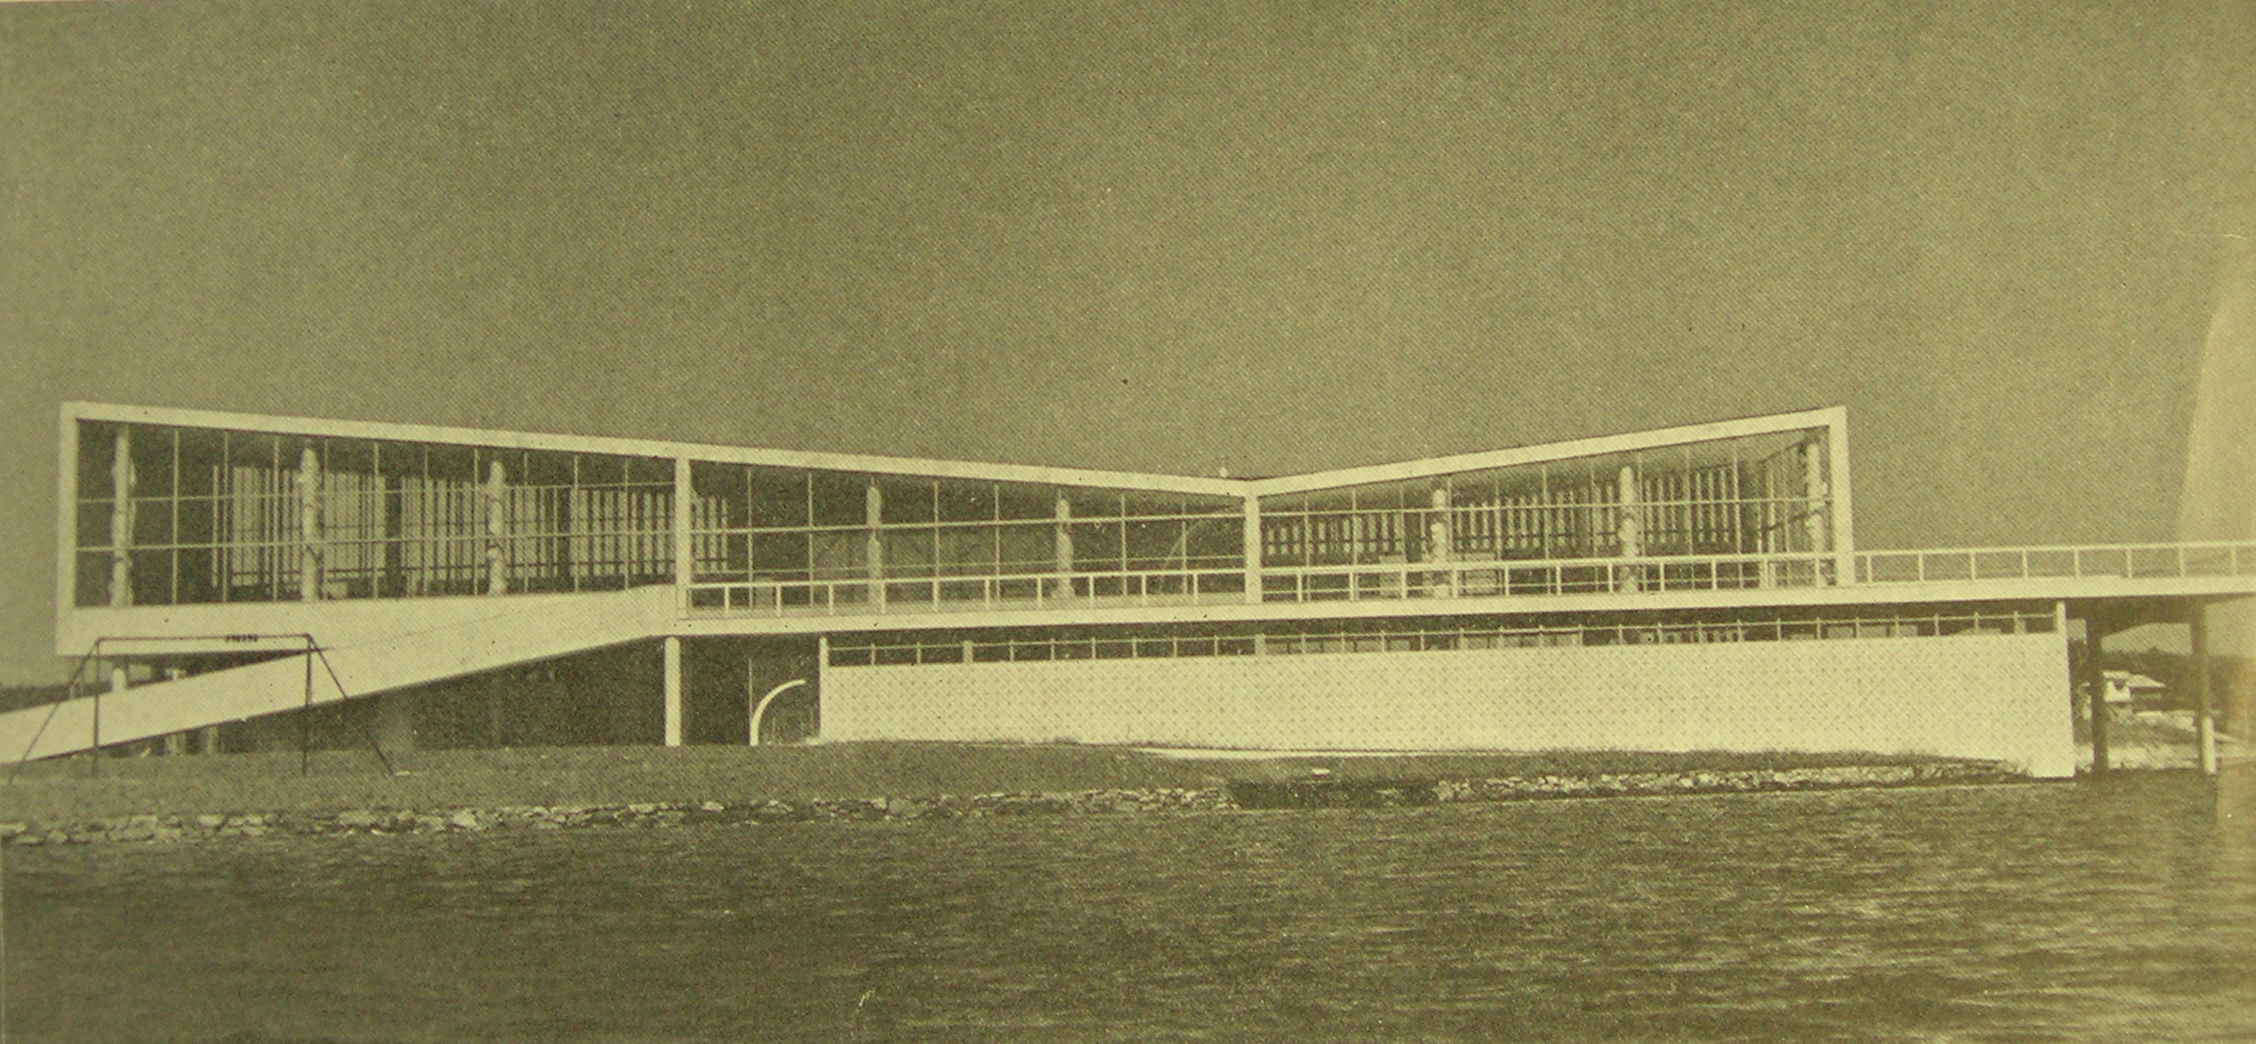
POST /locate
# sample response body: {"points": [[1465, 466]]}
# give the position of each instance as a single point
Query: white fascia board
{"points": [[500, 439], [1835, 417], [1862, 596]]}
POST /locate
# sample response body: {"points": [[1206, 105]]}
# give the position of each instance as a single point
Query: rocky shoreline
{"points": [[1314, 792]]}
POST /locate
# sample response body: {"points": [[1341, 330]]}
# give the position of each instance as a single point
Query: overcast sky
{"points": [[1168, 237]]}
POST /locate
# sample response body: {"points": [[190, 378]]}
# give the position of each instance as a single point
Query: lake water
{"points": [[2011, 913]]}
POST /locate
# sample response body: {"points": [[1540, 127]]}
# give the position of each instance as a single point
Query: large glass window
{"points": [[229, 516]]}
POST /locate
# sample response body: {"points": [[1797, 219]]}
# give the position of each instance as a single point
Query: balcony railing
{"points": [[946, 594], [2113, 561], [1484, 579], [1544, 577]]}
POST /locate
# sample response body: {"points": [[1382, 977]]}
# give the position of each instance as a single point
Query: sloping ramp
{"points": [[453, 638]]}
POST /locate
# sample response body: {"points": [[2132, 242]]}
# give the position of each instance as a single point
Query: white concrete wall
{"points": [[1989, 696]]}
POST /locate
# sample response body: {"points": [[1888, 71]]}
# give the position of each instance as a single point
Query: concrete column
{"points": [[207, 740], [2095, 682], [497, 528], [2204, 715], [1250, 549], [1813, 493], [685, 515], [1630, 530], [873, 545], [392, 503], [1840, 509], [1062, 540], [673, 692], [121, 519], [1440, 538], [309, 525]]}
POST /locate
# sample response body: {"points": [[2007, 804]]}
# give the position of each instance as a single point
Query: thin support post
{"points": [[309, 526], [1440, 549], [497, 528], [673, 691], [873, 545], [1249, 544], [2204, 720], [2095, 682], [1061, 540], [121, 519], [685, 547], [305, 717]]}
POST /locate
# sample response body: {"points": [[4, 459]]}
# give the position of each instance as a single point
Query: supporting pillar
{"points": [[2204, 714], [392, 503], [121, 519], [1249, 546], [497, 528], [873, 546], [1062, 541], [685, 546], [1813, 493], [1839, 508], [2095, 682], [1630, 529], [309, 525], [673, 691], [1439, 549], [207, 740]]}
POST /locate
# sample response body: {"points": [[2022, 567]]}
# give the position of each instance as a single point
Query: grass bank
{"points": [[564, 776]]}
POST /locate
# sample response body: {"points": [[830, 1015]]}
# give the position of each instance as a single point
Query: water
{"points": [[2014, 913]]}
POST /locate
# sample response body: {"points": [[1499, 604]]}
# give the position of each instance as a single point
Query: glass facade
{"points": [[769, 538], [1755, 510], [174, 514]]}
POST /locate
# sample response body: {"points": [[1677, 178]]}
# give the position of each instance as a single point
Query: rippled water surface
{"points": [[2013, 913]]}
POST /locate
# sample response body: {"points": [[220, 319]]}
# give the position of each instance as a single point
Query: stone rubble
{"points": [[1314, 792]]}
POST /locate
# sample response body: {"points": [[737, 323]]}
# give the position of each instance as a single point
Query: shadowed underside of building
{"points": [[234, 582]]}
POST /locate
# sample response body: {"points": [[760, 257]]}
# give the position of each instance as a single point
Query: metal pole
{"points": [[305, 717], [2205, 726]]}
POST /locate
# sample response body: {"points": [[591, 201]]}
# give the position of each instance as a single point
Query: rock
{"points": [[361, 819], [467, 819]]}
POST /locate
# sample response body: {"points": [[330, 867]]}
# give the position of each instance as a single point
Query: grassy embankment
{"points": [[69, 788]]}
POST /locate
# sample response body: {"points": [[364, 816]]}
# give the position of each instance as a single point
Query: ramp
{"points": [[448, 639]]}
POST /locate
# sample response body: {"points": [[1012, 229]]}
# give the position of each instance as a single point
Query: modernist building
{"points": [[232, 581]]}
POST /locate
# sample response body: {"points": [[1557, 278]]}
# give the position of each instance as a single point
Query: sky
{"points": [[1267, 237]]}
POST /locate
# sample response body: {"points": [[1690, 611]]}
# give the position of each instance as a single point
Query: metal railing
{"points": [[946, 594], [1385, 581], [1129, 643], [1544, 577], [2111, 561]]}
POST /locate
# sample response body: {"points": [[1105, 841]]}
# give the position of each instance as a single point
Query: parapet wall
{"points": [[1999, 697]]}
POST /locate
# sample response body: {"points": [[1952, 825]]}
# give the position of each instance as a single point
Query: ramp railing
{"points": [[2060, 562]]}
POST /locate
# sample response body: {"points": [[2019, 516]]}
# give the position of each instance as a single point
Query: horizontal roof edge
{"points": [[1826, 417], [1835, 416], [506, 439]]}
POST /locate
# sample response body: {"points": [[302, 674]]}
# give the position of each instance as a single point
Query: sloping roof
{"points": [[1834, 417]]}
